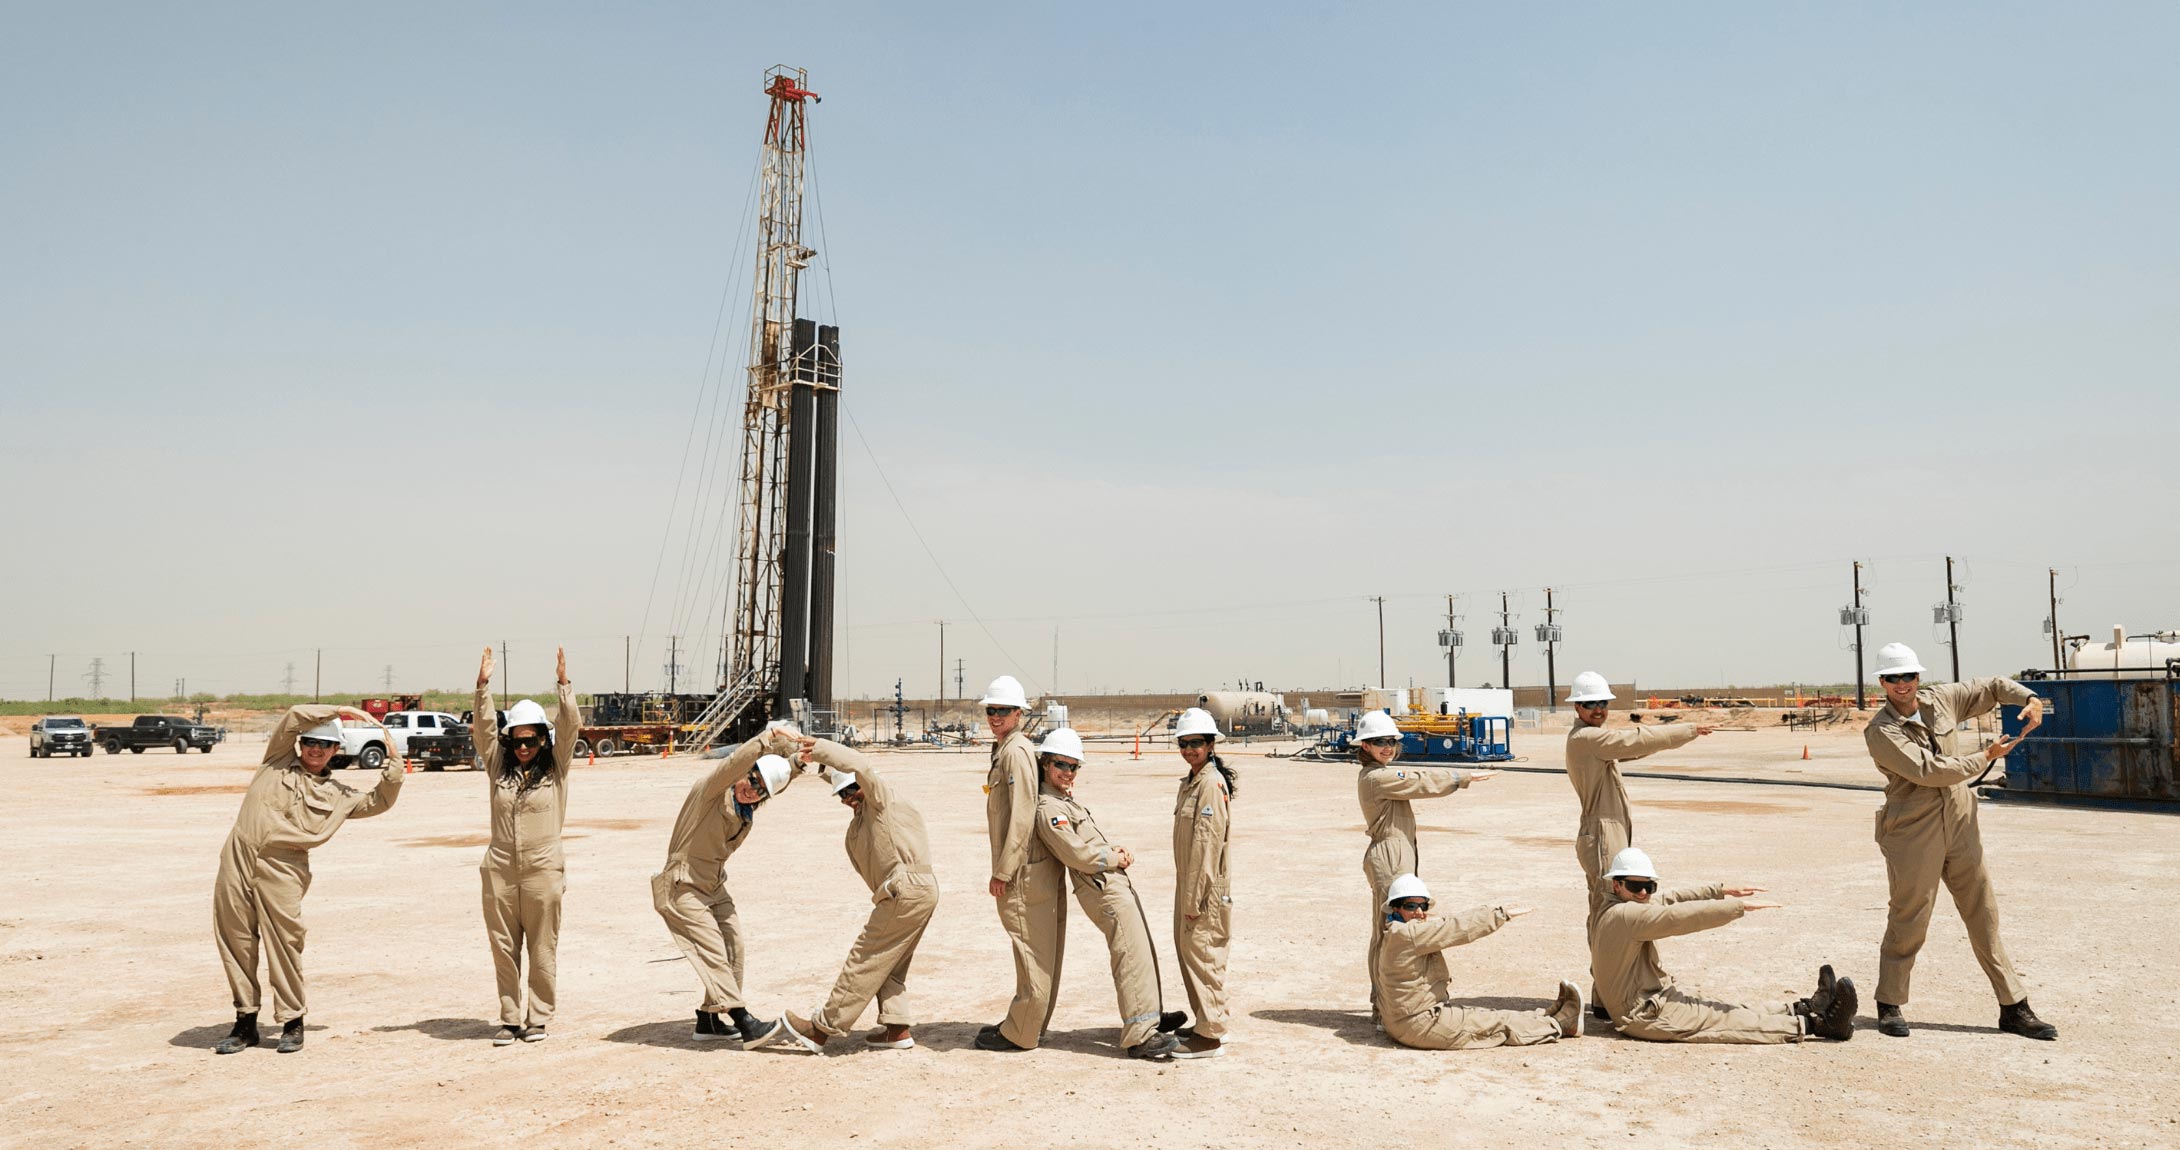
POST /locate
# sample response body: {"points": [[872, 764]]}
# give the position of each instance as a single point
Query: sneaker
{"points": [[291, 1037], [242, 1037], [1566, 1010], [1156, 1048], [994, 1041], [533, 1034], [804, 1033], [754, 1031], [1197, 1046], [890, 1038], [711, 1028], [1893, 1024], [1172, 1020], [2019, 1019], [507, 1036]]}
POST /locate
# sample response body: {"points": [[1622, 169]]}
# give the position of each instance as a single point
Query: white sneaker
{"points": [[533, 1034], [507, 1036]]}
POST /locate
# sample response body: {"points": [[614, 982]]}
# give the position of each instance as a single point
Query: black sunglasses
{"points": [[1907, 678], [1640, 885], [1063, 765], [526, 743], [1384, 741], [1413, 905], [322, 744], [995, 712], [1193, 742]]}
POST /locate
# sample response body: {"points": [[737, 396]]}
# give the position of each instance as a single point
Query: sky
{"points": [[1174, 335]]}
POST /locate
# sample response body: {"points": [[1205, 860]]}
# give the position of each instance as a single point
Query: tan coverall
{"points": [[1384, 793], [1105, 895], [1594, 755], [887, 846], [1200, 887], [1413, 986], [691, 893], [1641, 996], [1927, 831], [265, 865], [523, 871], [1031, 910]]}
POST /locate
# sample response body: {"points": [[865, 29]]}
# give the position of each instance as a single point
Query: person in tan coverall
{"points": [[524, 872], [691, 895], [1643, 999], [1024, 880], [1594, 755], [1203, 901], [291, 807], [1385, 793], [887, 846], [1414, 985], [1928, 832], [1099, 871]]}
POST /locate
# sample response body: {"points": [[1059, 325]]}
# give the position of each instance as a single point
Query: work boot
{"points": [[1830, 1012], [754, 1031], [533, 1034], [1598, 1012], [2019, 1019], [805, 1033], [1566, 1011], [1893, 1024], [1156, 1048], [291, 1037], [1172, 1020], [711, 1028], [1197, 1046], [507, 1036], [994, 1041], [242, 1037], [890, 1038]]}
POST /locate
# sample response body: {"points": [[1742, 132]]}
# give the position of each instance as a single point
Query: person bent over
{"points": [[1413, 982], [1642, 997]]}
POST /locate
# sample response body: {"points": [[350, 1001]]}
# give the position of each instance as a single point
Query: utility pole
{"points": [[1950, 612], [1380, 601], [288, 681], [503, 673], [1506, 637], [673, 663], [628, 659], [132, 676], [1055, 660], [1855, 616], [1548, 633], [959, 693], [942, 665], [2051, 623], [52, 660], [317, 677], [1450, 639]]}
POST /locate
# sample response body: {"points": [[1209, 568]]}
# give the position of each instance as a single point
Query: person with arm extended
{"points": [[524, 871], [1414, 984]]}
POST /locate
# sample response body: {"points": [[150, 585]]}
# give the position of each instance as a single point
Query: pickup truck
{"points": [[158, 731], [447, 747], [407, 725], [362, 745], [59, 734]]}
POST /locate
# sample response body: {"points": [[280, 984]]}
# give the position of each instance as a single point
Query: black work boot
{"points": [[291, 1037], [755, 1031], [2019, 1019], [1830, 1012], [1893, 1024], [1816, 1003], [1171, 1020], [709, 1028], [1598, 1012], [242, 1037], [993, 1040]]}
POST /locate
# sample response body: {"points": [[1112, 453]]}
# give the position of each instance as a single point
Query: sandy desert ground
{"points": [[111, 993]]}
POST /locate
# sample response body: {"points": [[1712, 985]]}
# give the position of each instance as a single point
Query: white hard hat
{"points": [[1897, 659], [1196, 721], [842, 780], [330, 730], [1406, 886], [1590, 687], [1632, 863], [1376, 725], [775, 772], [1005, 691], [527, 713], [1062, 741]]}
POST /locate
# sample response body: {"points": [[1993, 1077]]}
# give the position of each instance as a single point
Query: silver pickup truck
{"points": [[60, 735]]}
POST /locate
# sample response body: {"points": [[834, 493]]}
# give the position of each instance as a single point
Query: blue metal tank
{"points": [[2102, 738]]}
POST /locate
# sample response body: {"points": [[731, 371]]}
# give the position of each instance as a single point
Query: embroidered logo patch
{"points": [[1059, 822], [1206, 812], [1400, 774]]}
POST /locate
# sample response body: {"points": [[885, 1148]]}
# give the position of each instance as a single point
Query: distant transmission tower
{"points": [[289, 681], [97, 675], [389, 676]]}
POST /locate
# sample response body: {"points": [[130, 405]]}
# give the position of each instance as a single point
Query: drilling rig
{"points": [[780, 616]]}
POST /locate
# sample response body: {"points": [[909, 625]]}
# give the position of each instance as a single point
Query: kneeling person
{"points": [[1413, 981], [1643, 999]]}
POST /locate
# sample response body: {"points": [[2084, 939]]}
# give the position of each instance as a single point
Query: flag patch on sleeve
{"points": [[1059, 822]]}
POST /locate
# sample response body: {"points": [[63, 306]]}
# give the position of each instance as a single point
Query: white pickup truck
{"points": [[362, 745], [402, 724]]}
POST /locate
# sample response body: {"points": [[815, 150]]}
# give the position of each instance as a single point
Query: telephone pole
{"points": [[50, 662], [942, 665], [1450, 639], [317, 676], [1505, 636], [1949, 611], [958, 692], [1548, 633], [628, 659], [1380, 601], [1855, 616], [2051, 623], [503, 673], [132, 676]]}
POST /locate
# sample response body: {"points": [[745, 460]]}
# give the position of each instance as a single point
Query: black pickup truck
{"points": [[158, 731], [451, 747]]}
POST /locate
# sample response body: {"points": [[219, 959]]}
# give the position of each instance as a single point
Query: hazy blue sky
{"points": [[1181, 328]]}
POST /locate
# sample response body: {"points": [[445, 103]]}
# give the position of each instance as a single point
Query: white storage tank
{"points": [[1244, 712], [2127, 656]]}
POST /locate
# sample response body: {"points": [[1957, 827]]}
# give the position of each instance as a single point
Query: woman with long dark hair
{"points": [[524, 872]]}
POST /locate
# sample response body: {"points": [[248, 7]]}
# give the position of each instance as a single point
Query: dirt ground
{"points": [[111, 994]]}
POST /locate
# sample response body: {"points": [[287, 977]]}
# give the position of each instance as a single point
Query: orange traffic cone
{"points": [[594, 755], [1805, 752]]}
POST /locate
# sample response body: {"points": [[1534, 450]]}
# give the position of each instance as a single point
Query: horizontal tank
{"points": [[1244, 712], [2127, 656]]}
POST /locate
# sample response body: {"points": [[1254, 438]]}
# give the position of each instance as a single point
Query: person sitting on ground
{"points": [[1643, 999], [1414, 984]]}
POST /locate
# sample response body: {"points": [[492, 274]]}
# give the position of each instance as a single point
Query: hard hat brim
{"points": [[1606, 698]]}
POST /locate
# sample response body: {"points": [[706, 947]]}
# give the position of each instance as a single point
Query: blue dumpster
{"points": [[2102, 738]]}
